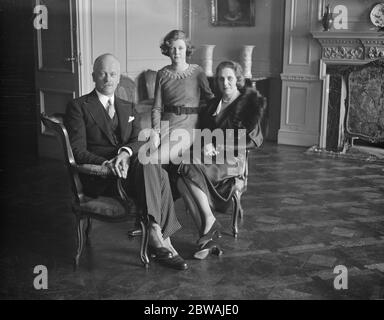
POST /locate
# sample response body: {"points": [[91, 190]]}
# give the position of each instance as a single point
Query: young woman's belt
{"points": [[178, 110]]}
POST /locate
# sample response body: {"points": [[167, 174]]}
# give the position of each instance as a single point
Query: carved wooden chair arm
{"points": [[93, 170]]}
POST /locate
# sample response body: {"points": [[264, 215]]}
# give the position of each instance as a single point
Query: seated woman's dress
{"points": [[177, 101], [218, 180]]}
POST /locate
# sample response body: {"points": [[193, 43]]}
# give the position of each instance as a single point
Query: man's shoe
{"points": [[176, 262], [166, 258], [160, 253]]}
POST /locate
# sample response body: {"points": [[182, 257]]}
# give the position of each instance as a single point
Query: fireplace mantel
{"points": [[350, 47], [342, 48]]}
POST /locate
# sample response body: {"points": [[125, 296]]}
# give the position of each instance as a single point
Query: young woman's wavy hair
{"points": [[173, 36], [237, 69]]}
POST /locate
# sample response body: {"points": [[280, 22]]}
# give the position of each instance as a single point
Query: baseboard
{"points": [[297, 138]]}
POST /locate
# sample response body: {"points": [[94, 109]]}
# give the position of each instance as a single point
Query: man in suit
{"points": [[101, 131]]}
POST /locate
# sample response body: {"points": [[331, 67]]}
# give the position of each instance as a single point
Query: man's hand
{"points": [[110, 166], [121, 164]]}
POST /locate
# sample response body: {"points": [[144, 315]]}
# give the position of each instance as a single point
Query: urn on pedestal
{"points": [[207, 59], [246, 60]]}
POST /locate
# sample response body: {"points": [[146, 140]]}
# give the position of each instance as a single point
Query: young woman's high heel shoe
{"points": [[210, 247], [213, 233]]}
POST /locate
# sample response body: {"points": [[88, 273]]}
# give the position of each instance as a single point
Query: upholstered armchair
{"points": [[146, 91], [147, 82], [85, 208], [126, 89]]}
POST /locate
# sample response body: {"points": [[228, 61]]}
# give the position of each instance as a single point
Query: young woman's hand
{"points": [[154, 139], [209, 150]]}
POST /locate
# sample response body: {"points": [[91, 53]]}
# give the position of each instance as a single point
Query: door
{"points": [[301, 87], [56, 67]]}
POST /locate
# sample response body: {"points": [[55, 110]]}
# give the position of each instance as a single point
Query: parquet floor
{"points": [[304, 215]]}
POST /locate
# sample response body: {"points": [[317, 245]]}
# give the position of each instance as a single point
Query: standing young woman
{"points": [[179, 87]]}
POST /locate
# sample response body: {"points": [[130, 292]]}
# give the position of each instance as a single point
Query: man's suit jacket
{"points": [[90, 135], [92, 139]]}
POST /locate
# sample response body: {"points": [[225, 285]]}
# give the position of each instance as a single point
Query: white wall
{"points": [[130, 29], [266, 35]]}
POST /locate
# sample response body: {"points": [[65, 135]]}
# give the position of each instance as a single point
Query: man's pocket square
{"points": [[131, 119]]}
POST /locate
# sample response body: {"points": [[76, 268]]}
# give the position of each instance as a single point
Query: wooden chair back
{"points": [[54, 124]]}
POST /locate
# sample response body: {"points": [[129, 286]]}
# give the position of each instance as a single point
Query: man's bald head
{"points": [[106, 73], [104, 58]]}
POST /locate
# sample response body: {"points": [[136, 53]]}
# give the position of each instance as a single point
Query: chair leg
{"points": [[88, 232], [137, 231], [241, 210], [235, 215], [80, 241], [144, 242]]}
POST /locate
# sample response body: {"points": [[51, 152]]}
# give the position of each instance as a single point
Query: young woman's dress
{"points": [[175, 92]]}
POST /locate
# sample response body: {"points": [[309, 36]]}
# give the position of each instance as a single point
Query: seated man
{"points": [[100, 128]]}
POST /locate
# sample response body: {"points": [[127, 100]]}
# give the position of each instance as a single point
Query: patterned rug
{"points": [[359, 153]]}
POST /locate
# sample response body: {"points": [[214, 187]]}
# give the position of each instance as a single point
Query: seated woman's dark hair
{"points": [[173, 36], [237, 69]]}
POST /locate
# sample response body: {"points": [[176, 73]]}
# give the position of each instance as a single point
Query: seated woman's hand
{"points": [[154, 139]]}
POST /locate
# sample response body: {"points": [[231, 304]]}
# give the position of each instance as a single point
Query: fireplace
{"points": [[344, 55]]}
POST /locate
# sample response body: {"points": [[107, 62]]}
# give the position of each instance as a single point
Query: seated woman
{"points": [[205, 187]]}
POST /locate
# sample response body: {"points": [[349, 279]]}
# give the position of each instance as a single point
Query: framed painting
{"points": [[233, 12]]}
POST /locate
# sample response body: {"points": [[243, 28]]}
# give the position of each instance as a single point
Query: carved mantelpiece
{"points": [[337, 50], [350, 47]]}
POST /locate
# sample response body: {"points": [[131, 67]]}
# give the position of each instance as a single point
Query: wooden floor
{"points": [[304, 215]]}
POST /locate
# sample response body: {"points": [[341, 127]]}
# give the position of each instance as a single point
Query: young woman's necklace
{"points": [[180, 68]]}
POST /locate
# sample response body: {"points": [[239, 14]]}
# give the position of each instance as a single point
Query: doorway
{"points": [[56, 67]]}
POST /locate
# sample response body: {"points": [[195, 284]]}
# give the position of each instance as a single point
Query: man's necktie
{"points": [[110, 109]]}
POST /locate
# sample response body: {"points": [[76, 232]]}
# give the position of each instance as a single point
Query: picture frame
{"points": [[234, 13]]}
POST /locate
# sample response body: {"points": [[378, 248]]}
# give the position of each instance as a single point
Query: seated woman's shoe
{"points": [[214, 232], [210, 247]]}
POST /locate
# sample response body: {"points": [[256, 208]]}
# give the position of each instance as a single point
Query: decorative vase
{"points": [[246, 61], [207, 59], [327, 20]]}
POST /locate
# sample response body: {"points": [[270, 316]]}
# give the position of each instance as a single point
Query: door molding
{"points": [[84, 44]]}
